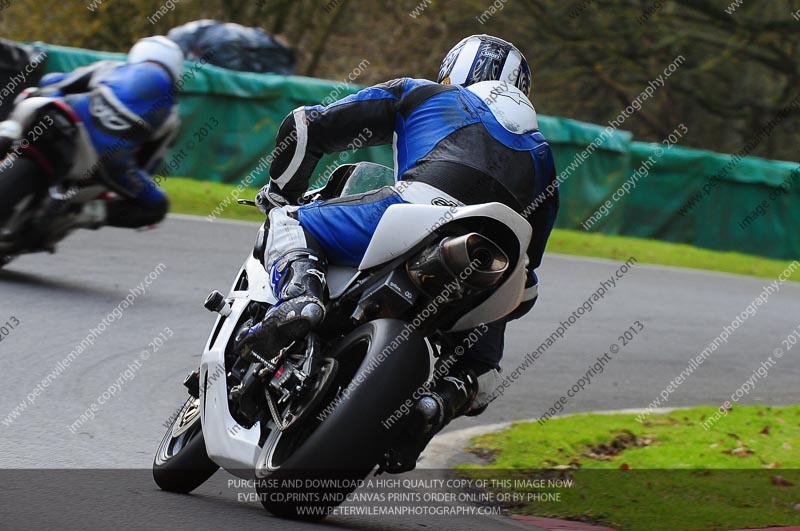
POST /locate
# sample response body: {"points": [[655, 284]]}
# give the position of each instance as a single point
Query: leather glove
{"points": [[11, 129], [270, 197], [10, 132]]}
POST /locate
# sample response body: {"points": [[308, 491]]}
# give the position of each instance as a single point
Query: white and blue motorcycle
{"points": [[318, 407]]}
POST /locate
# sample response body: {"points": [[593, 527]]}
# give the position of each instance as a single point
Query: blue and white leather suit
{"points": [[466, 145]]}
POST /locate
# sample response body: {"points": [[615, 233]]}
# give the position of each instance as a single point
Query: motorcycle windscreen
{"points": [[368, 176]]}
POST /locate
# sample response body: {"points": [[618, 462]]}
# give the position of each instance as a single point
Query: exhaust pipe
{"points": [[472, 260]]}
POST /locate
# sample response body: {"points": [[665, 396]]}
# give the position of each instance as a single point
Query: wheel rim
{"points": [[190, 413], [278, 447], [266, 463], [184, 428]]}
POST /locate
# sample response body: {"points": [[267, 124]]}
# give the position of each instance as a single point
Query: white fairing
{"points": [[508, 104], [229, 444], [402, 227], [260, 286], [405, 225]]}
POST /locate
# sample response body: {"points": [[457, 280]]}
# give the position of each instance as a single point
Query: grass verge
{"points": [[201, 198], [663, 253], [665, 474]]}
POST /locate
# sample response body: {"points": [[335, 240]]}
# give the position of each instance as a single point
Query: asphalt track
{"points": [[57, 300]]}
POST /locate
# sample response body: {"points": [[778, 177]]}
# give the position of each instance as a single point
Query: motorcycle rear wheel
{"points": [[341, 448]]}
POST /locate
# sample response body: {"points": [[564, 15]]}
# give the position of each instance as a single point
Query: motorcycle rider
{"points": [[129, 113], [470, 138]]}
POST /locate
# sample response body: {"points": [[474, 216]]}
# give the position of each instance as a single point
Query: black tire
{"points": [[181, 463], [18, 180], [350, 440]]}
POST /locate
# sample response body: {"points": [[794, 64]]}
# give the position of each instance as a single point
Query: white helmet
{"points": [[161, 50], [485, 58]]}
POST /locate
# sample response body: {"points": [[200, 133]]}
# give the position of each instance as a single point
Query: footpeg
{"points": [[215, 302]]}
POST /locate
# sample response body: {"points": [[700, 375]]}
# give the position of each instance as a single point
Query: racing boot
{"points": [[50, 226], [298, 279], [92, 216], [461, 392]]}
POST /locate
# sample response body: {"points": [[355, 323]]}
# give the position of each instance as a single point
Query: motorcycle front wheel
{"points": [[181, 463], [19, 179]]}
